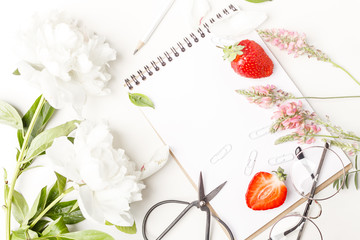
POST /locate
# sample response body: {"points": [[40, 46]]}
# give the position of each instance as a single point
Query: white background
{"points": [[330, 25]]}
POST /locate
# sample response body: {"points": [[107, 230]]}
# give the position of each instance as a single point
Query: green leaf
{"points": [[347, 181], [128, 230], [356, 181], [66, 211], [23, 234], [40, 225], [356, 161], [16, 72], [82, 235], [57, 189], [20, 207], [141, 100], [45, 139], [258, 1], [38, 205], [9, 116], [41, 122], [336, 184], [56, 227]]}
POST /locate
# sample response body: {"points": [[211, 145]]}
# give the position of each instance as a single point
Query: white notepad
{"points": [[200, 116]]}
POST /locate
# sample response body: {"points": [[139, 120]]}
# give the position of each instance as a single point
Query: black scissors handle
{"points": [[190, 205], [177, 219]]}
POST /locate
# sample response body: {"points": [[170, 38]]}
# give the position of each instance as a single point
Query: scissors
{"points": [[201, 203]]}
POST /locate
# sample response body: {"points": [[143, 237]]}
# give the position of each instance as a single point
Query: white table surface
{"points": [[331, 25]]}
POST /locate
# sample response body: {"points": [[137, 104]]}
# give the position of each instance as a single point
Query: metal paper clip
{"points": [[221, 153], [259, 132], [280, 159], [251, 163]]}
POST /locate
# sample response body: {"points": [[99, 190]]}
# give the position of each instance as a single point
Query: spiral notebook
{"points": [[210, 128]]}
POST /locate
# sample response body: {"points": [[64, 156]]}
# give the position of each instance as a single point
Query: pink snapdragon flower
{"points": [[265, 96], [293, 42], [306, 134]]}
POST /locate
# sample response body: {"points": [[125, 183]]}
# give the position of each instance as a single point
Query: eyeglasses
{"points": [[305, 175]]}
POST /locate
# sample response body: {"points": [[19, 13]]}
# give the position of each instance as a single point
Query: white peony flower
{"points": [[65, 60], [108, 181]]}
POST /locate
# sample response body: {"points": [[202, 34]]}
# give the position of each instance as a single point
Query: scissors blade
{"points": [[201, 187], [214, 192]]}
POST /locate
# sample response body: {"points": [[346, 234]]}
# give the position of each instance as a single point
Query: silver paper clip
{"points": [[221, 153], [259, 132], [280, 159], [251, 163]]}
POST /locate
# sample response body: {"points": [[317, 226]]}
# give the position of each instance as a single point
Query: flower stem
{"points": [[18, 166], [52, 204], [326, 97], [338, 66]]}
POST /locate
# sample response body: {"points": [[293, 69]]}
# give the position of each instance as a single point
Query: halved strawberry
{"points": [[249, 59], [266, 190]]}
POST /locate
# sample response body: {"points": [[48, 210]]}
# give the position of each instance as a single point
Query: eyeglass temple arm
{"points": [[173, 223], [312, 194]]}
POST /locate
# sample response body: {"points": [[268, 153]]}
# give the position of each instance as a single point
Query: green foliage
{"points": [[258, 1], [16, 72], [9, 116], [129, 230], [69, 211], [81, 235], [23, 234], [339, 182], [41, 122], [38, 205], [141, 100], [56, 227], [20, 207], [45, 139], [57, 189]]}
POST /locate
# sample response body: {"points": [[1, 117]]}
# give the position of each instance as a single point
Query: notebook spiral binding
{"points": [[175, 51]]}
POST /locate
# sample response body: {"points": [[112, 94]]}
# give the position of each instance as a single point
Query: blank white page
{"points": [[198, 113]]}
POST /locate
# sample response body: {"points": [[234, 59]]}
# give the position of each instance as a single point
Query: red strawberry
{"points": [[249, 59], [266, 190]]}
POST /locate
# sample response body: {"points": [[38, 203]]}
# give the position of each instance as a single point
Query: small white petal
{"points": [[61, 156], [89, 205], [199, 11], [158, 160], [238, 24]]}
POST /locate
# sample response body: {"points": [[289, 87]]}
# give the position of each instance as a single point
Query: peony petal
{"points": [[62, 159], [90, 207], [199, 11], [238, 24], [158, 160]]}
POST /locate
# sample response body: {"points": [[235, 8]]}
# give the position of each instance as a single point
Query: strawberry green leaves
{"points": [[9, 115], [230, 52], [141, 100]]}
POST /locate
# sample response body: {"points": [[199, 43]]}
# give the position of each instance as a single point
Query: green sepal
{"points": [[230, 52], [280, 173]]}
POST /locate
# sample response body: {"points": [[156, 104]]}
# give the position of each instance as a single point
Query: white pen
{"points": [[153, 26]]}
